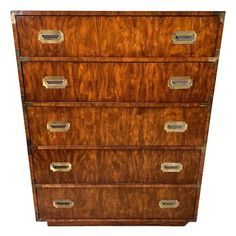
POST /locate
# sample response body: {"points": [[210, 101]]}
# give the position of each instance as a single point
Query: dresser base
{"points": [[117, 222]]}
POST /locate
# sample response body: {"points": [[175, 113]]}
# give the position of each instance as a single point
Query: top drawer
{"points": [[120, 36]]}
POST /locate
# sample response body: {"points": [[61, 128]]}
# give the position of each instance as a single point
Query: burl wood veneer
{"points": [[117, 109]]}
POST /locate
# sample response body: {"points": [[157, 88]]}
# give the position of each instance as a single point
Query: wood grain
{"points": [[117, 126], [116, 166], [109, 36], [123, 82], [115, 202], [117, 64]]}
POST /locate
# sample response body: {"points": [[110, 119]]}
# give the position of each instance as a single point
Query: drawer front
{"points": [[155, 82], [116, 202], [116, 166], [117, 126], [120, 36]]}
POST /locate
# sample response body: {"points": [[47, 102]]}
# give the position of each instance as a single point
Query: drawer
{"points": [[118, 36], [118, 125], [96, 202], [116, 166], [155, 82]]}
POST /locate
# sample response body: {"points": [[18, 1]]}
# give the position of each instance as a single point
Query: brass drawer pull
{"points": [[171, 167], [63, 203], [50, 36], [169, 204], [58, 126], [183, 82], [184, 37], [176, 126], [54, 82], [60, 166]]}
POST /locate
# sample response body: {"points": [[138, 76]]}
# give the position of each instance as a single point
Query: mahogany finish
{"points": [[116, 202], [118, 126], [123, 82], [130, 36], [118, 166], [117, 101]]}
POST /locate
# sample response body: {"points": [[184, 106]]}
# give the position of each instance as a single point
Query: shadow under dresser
{"points": [[117, 108]]}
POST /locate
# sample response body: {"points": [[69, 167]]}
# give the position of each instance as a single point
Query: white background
{"points": [[218, 196]]}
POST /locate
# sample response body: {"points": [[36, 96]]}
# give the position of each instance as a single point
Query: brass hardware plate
{"points": [[50, 36], [63, 203], [180, 82], [184, 37], [58, 126], [169, 204], [60, 166], [176, 126], [54, 82], [171, 167]]}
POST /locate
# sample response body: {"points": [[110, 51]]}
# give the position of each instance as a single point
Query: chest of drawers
{"points": [[117, 108]]}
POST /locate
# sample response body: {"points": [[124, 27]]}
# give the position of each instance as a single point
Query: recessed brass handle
{"points": [[184, 37], [60, 166], [54, 82], [171, 167], [176, 126], [63, 203], [182, 82], [169, 204], [58, 126], [50, 36]]}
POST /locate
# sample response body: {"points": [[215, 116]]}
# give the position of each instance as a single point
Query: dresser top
{"points": [[117, 13]]}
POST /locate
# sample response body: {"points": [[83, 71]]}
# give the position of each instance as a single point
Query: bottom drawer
{"points": [[116, 202]]}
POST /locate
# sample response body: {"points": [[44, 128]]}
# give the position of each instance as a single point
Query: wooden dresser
{"points": [[117, 108]]}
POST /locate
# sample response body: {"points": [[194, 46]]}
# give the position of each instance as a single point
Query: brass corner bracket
{"points": [[213, 59], [216, 58], [221, 15], [202, 149], [13, 16]]}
